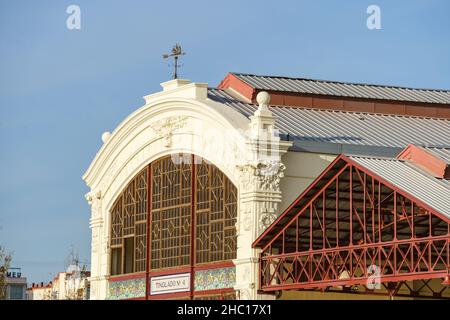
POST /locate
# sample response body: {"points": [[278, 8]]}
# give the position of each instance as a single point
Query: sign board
{"points": [[169, 284], [14, 273]]}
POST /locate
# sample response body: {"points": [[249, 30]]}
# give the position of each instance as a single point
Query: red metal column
{"points": [[310, 256], [395, 233], [373, 210], [351, 220], [364, 218], [351, 205], [296, 234], [149, 221], [413, 236], [448, 250], [193, 222], [324, 229], [337, 211], [364, 208]]}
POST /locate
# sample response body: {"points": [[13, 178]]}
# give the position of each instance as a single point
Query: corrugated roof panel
{"points": [[405, 176], [354, 90], [351, 128]]}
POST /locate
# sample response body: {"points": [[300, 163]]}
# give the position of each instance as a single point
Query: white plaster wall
{"points": [[37, 294], [301, 170]]}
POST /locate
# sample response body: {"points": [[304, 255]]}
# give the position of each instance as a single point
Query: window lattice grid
{"points": [[116, 223], [129, 219], [216, 214], [202, 239], [140, 247], [202, 178], [171, 214], [129, 209], [156, 185], [170, 242], [230, 220], [141, 197]]}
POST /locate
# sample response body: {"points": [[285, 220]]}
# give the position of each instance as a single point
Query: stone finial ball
{"points": [[105, 136], [263, 98]]}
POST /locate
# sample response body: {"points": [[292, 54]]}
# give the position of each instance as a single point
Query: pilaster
{"points": [[259, 194]]}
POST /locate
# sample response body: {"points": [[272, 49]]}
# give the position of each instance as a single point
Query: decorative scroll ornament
{"points": [[265, 175], [88, 196], [95, 201], [247, 175], [94, 198], [270, 174], [267, 217], [165, 128]]}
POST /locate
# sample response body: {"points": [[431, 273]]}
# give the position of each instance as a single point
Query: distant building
{"points": [[72, 285], [39, 291], [16, 285]]}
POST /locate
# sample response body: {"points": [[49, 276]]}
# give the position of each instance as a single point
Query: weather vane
{"points": [[176, 53]]}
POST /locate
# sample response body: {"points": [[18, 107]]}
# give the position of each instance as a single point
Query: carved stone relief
{"points": [[165, 128]]}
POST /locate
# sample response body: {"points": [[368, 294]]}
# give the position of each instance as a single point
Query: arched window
{"points": [[128, 227], [186, 215]]}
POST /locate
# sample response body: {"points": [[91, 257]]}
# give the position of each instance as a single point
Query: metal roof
{"points": [[442, 153], [345, 89], [348, 132], [409, 178]]}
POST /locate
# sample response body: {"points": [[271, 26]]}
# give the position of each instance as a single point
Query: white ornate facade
{"points": [[182, 119]]}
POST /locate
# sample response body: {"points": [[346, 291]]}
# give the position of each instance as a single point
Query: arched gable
{"points": [[162, 127]]}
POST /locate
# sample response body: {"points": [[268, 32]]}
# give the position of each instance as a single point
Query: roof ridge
{"points": [[374, 157], [333, 110], [342, 82], [432, 147], [361, 112]]}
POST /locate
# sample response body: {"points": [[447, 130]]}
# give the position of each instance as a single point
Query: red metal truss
{"points": [[351, 227]]}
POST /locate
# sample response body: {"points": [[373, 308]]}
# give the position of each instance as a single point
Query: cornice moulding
{"points": [[149, 113]]}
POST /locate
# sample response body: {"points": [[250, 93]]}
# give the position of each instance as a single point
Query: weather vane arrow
{"points": [[176, 53]]}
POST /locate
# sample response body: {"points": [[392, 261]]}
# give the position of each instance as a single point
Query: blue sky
{"points": [[60, 89]]}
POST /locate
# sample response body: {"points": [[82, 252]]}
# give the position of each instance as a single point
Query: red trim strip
{"points": [[243, 88], [215, 291], [169, 296], [127, 277], [187, 294], [218, 265], [169, 271]]}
